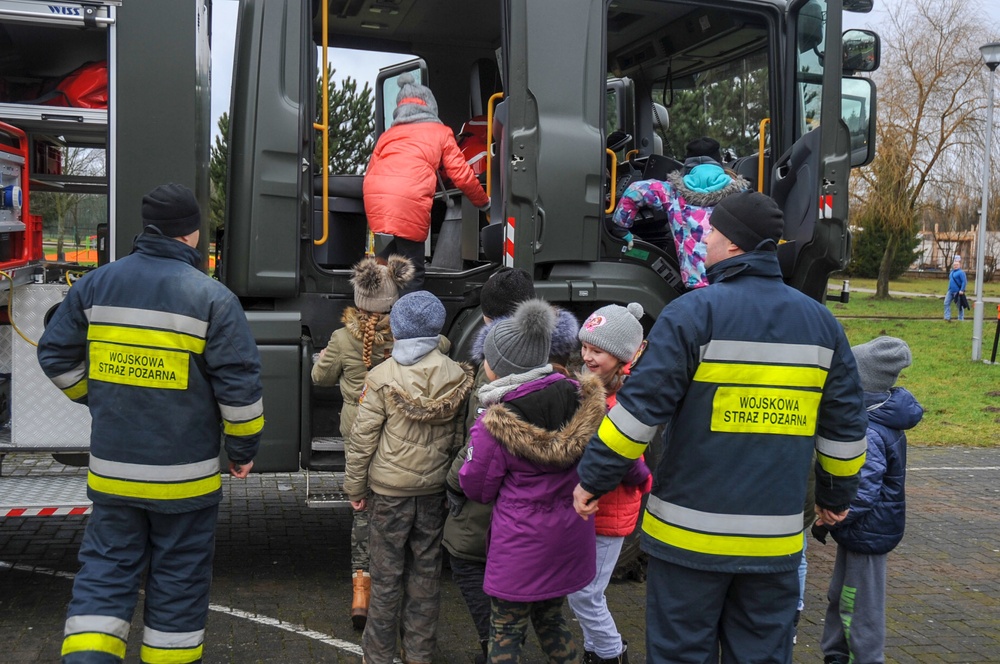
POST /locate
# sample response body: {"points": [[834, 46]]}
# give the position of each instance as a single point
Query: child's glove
{"points": [[819, 531], [485, 208], [456, 501]]}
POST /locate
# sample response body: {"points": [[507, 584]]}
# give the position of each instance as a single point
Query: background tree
{"points": [[931, 101], [217, 167], [71, 209]]}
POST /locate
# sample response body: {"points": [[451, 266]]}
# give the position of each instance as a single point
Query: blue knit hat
{"points": [[416, 315]]}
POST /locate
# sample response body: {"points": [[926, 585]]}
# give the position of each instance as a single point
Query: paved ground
{"points": [[282, 587]]}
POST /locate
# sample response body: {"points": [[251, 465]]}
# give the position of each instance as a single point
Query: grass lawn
{"points": [[961, 398], [917, 285]]}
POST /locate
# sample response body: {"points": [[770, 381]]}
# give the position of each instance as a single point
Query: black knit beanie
{"points": [[171, 209], [504, 290], [748, 219], [704, 147]]}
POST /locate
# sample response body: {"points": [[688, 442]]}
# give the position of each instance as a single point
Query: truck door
{"points": [[268, 192], [554, 159], [810, 179]]}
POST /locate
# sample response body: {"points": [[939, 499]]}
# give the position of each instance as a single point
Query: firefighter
{"points": [[163, 357], [749, 375]]}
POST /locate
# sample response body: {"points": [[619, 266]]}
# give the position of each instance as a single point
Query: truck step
{"points": [[44, 496], [335, 500], [331, 444]]}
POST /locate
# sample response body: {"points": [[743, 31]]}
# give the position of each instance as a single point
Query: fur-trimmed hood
{"points": [[706, 198], [354, 323], [553, 449], [447, 406]]}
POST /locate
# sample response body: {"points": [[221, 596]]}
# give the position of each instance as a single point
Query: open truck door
{"points": [[809, 181]]}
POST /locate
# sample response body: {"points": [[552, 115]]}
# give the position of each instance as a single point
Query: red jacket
{"points": [[401, 179], [619, 509]]}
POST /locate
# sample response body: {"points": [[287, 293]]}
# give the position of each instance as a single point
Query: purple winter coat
{"points": [[538, 547]]}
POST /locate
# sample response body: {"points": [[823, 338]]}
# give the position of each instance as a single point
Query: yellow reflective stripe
{"points": [[760, 374], [248, 428], [154, 490], [93, 642], [139, 336], [78, 391], [721, 545], [153, 655], [619, 442], [841, 467]]}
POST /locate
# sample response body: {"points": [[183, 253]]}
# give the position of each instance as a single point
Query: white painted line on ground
{"points": [[300, 630], [956, 468]]}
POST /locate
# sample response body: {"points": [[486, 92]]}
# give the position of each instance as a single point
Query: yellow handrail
{"points": [[325, 126], [614, 179], [489, 141], [760, 154], [630, 154]]}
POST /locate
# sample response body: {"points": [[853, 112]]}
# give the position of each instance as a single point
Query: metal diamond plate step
{"points": [[44, 496]]}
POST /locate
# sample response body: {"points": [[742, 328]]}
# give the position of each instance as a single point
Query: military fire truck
{"points": [[570, 100]]}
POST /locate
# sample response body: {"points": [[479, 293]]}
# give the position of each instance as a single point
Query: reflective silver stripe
{"points": [[162, 320], [145, 473], [242, 413], [71, 377], [157, 639], [724, 524], [721, 350], [629, 426], [102, 624], [841, 449]]}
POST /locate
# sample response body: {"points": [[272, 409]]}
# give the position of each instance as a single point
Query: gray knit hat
{"points": [[504, 290], [615, 330], [880, 361], [747, 219], [377, 282], [522, 342], [417, 315], [414, 103]]}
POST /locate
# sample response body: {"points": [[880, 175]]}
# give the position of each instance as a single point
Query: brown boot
{"points": [[362, 596]]}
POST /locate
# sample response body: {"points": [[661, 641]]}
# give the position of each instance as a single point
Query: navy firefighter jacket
{"points": [[750, 376], [163, 356]]}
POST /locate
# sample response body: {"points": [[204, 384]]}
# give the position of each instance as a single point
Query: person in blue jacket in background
{"points": [[956, 290]]}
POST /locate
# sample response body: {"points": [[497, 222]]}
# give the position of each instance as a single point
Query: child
{"points": [[408, 429], [610, 339], [468, 522], [362, 343], [687, 198], [855, 618], [522, 457], [402, 174]]}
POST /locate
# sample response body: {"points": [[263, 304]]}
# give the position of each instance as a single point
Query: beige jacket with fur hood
{"points": [[343, 360], [409, 426]]}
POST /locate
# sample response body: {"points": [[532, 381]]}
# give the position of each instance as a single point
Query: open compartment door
{"points": [[810, 179], [269, 185]]}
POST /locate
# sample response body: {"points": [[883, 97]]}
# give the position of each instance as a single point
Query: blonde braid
{"points": [[369, 339]]}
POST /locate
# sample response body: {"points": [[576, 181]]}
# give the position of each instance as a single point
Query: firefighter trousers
{"points": [[120, 543], [692, 615]]}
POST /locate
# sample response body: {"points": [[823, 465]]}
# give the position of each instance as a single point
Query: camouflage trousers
{"points": [[405, 546], [359, 540], [509, 628]]}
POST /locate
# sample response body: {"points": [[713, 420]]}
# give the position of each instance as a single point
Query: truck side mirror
{"points": [[862, 51], [858, 113]]}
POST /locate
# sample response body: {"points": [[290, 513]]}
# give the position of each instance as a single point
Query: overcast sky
{"points": [[365, 67]]}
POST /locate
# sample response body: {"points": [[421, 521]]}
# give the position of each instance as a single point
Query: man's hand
{"points": [[359, 505], [583, 502], [240, 470], [829, 517]]}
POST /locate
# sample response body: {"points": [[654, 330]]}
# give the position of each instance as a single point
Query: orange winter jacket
{"points": [[402, 177], [618, 510]]}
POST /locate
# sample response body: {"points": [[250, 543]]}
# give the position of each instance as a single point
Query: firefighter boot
{"points": [[362, 595]]}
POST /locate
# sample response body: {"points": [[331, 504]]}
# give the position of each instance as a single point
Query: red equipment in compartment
{"points": [[24, 246], [84, 87]]}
